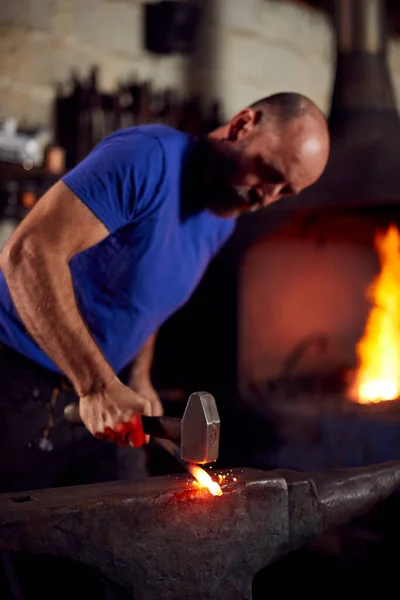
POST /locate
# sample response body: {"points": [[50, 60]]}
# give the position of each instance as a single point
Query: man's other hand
{"points": [[144, 387]]}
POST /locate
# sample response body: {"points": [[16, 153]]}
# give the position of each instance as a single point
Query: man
{"points": [[109, 253]]}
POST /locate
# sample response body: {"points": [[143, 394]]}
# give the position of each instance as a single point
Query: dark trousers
{"points": [[40, 449]]}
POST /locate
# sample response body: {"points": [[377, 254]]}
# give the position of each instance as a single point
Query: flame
{"points": [[378, 374], [205, 480]]}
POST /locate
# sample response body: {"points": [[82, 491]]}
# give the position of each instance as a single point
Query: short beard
{"points": [[223, 197]]}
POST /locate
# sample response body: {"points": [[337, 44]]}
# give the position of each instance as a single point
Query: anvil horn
{"points": [[322, 501], [345, 492], [162, 538]]}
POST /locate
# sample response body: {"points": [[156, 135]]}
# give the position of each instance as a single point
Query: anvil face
{"points": [[160, 538], [163, 538]]}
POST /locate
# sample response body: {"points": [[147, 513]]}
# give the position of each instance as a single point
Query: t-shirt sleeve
{"points": [[119, 178]]}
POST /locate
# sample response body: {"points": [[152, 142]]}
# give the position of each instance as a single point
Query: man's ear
{"points": [[243, 123]]}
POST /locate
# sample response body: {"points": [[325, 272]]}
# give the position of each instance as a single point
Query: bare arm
{"points": [[35, 266], [141, 366], [140, 375]]}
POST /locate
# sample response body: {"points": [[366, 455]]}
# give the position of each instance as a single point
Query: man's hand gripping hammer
{"points": [[197, 433]]}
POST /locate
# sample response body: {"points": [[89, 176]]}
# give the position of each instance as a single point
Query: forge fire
{"points": [[378, 373]]}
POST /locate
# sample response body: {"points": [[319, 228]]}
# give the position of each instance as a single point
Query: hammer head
{"points": [[200, 429]]}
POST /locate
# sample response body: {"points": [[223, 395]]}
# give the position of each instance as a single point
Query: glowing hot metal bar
{"points": [[204, 479], [198, 473]]}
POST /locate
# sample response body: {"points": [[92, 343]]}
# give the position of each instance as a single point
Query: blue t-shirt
{"points": [[130, 283]]}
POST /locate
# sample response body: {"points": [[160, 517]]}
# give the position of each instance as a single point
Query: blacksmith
{"points": [[106, 256]]}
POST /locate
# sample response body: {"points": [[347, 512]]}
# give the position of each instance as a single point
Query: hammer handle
{"points": [[167, 428]]}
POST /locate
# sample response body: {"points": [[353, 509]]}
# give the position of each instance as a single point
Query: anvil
{"points": [[166, 538]]}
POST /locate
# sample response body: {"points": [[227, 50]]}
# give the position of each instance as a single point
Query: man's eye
{"points": [[271, 175], [287, 191]]}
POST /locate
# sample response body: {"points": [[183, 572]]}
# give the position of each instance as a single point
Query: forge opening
{"points": [[319, 311]]}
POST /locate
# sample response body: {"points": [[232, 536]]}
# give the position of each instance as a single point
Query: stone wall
{"points": [[247, 49]]}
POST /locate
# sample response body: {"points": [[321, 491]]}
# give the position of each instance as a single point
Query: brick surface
{"points": [[114, 26], [241, 16], [248, 48], [38, 14], [30, 105], [250, 59], [306, 30], [318, 80], [33, 61]]}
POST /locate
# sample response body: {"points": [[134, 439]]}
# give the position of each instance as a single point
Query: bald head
{"points": [[288, 112], [280, 145], [285, 106]]}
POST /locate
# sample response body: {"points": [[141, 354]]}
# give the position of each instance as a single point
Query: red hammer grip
{"points": [[136, 434], [128, 433]]}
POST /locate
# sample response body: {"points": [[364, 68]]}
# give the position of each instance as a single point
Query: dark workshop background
{"points": [[272, 328], [73, 71]]}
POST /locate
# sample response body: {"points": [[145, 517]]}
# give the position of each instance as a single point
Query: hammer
{"points": [[197, 433]]}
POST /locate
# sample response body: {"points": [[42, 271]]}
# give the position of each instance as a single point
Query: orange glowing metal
{"points": [[205, 480], [378, 374]]}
